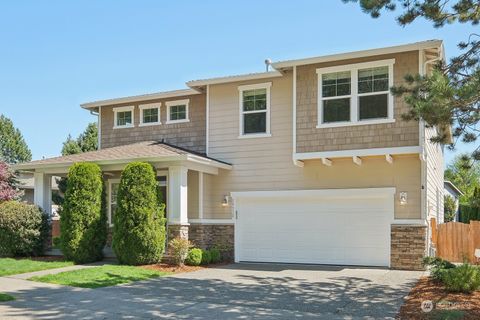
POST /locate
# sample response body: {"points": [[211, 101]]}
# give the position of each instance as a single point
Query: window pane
{"points": [[373, 107], [373, 80], [336, 110], [254, 99], [255, 123], [113, 199], [124, 118], [336, 84], [178, 112], [150, 115]]}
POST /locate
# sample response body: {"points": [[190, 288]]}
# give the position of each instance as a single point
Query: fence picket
{"points": [[456, 241]]}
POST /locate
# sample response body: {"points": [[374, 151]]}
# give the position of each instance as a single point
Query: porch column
{"points": [[177, 202], [42, 189]]}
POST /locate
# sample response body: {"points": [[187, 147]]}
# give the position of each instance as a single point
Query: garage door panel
{"points": [[351, 230]]}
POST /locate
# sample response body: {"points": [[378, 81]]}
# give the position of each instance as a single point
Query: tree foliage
{"points": [[86, 141], [449, 208], [450, 96], [13, 148], [83, 220], [139, 222], [8, 189], [465, 174]]}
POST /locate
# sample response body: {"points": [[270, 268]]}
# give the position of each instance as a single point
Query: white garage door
{"points": [[343, 227]]}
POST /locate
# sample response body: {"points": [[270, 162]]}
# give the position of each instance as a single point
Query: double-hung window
{"points": [[123, 117], [177, 111], [149, 114], [355, 94], [255, 110]]}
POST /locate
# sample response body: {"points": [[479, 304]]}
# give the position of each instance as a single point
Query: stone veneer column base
{"points": [[207, 236], [177, 230], [408, 247]]}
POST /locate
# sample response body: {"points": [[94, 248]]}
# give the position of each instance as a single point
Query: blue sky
{"points": [[57, 54]]}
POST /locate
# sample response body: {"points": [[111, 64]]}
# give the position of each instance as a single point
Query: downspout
{"points": [[294, 119]]}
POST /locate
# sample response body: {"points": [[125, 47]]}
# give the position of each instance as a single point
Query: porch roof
{"points": [[149, 151]]}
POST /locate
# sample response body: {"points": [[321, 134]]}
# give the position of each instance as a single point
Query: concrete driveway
{"points": [[239, 291]]}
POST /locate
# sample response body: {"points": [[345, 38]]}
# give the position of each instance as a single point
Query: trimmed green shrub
{"points": [[465, 278], [215, 255], [56, 242], [139, 221], [179, 250], [83, 220], [194, 257], [23, 229], [437, 267], [206, 257]]}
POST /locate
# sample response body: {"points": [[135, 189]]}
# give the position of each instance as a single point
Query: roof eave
{"points": [[229, 79]]}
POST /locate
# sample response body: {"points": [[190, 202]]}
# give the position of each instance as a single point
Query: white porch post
{"points": [[42, 196], [177, 195]]}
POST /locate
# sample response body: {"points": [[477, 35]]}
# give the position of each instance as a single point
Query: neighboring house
{"points": [[452, 191], [309, 163], [26, 185]]}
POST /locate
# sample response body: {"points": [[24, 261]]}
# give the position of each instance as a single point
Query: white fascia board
{"points": [[359, 54], [318, 193], [139, 98], [237, 78], [211, 221], [357, 153], [412, 222]]}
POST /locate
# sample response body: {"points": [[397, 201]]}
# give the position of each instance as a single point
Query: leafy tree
{"points": [[8, 190], [83, 220], [451, 94], [465, 174], [70, 146], [13, 148], [86, 141], [139, 220], [449, 208]]}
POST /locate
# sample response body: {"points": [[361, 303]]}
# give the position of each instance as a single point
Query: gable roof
{"points": [[449, 185]]}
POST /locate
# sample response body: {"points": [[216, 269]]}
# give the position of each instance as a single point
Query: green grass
{"points": [[10, 266], [5, 297], [104, 276], [447, 315]]}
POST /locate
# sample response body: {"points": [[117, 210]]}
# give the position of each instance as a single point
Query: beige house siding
{"points": [[266, 163], [189, 135], [434, 174], [397, 134]]}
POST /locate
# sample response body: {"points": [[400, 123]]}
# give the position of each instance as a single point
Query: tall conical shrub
{"points": [[139, 222], [83, 220]]}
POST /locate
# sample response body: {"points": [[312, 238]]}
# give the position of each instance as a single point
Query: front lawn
{"points": [[5, 297], [104, 276], [9, 266]]}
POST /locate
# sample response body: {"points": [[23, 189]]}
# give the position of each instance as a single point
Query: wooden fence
{"points": [[456, 241]]}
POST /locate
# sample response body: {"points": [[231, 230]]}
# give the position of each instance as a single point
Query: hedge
{"points": [[468, 213], [83, 220], [139, 222], [23, 229]]}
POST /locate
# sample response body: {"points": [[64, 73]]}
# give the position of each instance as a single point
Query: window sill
{"points": [[149, 124], [177, 121], [358, 123], [123, 127], [255, 135]]}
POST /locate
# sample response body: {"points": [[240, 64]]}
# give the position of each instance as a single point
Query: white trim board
{"points": [[357, 153], [211, 221]]}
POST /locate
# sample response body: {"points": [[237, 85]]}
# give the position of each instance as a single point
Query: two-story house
{"points": [[308, 163]]}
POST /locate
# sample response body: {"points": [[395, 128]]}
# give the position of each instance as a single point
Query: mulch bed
{"points": [[447, 305], [163, 267]]}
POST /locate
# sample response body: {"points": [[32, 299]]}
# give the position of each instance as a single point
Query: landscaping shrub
{"points": [[83, 220], [206, 257], [179, 250], [437, 267], [465, 278], [23, 229], [139, 222], [56, 242], [194, 257], [215, 255]]}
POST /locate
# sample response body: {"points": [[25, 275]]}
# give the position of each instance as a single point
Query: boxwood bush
{"points": [[23, 229], [194, 257], [83, 220], [139, 222], [206, 257], [215, 255]]}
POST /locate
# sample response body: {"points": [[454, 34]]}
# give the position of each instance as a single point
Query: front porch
{"points": [[181, 176]]}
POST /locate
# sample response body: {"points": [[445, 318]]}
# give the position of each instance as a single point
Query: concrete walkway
{"points": [[239, 291]]}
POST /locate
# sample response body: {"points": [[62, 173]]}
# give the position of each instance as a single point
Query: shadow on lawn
{"points": [[259, 297]]}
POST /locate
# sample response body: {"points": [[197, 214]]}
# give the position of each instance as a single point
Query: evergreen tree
{"points": [[13, 148]]}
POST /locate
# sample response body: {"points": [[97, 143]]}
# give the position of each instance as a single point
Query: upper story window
{"points": [[149, 114], [255, 110], [123, 117], [355, 94], [177, 111]]}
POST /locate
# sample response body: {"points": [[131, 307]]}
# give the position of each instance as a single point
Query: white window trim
{"points": [[123, 109], [109, 217], [169, 104], [353, 69], [142, 107], [267, 86]]}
